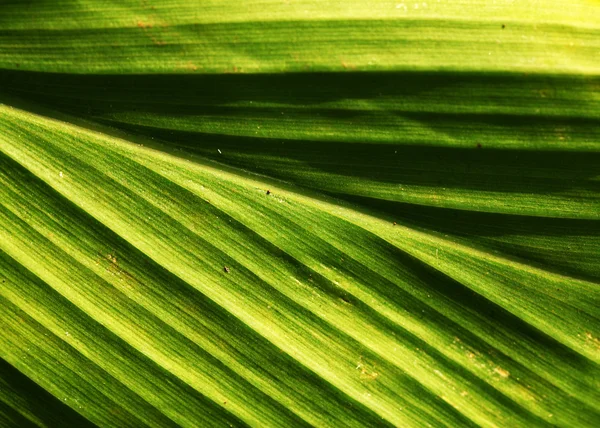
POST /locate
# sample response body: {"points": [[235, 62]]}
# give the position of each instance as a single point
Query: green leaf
{"points": [[299, 213]]}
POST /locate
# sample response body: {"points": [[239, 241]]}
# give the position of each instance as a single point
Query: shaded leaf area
{"points": [[503, 143], [569, 247], [329, 314], [24, 403]]}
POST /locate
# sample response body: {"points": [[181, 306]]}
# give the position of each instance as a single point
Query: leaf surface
{"points": [[299, 214]]}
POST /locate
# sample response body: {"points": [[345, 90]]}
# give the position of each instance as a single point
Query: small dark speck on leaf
{"points": [[503, 26], [18, 65], [268, 192], [226, 269], [394, 223], [478, 145]]}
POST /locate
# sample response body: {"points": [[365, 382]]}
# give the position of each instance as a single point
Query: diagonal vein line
{"points": [[482, 393], [100, 377], [195, 336], [310, 346]]}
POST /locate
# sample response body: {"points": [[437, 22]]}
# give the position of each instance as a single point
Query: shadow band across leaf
{"points": [[507, 143]]}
